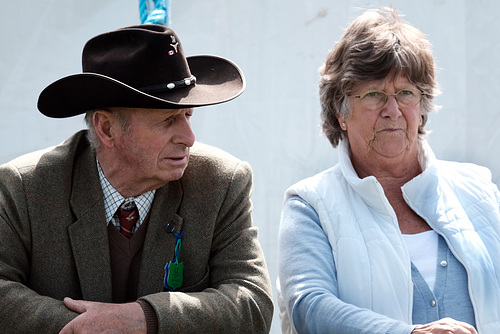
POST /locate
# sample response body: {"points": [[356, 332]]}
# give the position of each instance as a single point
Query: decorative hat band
{"points": [[171, 85]]}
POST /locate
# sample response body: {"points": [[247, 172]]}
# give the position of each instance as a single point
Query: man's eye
{"points": [[168, 120]]}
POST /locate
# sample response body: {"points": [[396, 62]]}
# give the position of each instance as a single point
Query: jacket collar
{"points": [[369, 188]]}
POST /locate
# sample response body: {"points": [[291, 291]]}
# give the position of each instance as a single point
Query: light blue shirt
{"points": [[450, 297]]}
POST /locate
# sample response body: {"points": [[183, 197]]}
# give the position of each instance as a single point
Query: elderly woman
{"points": [[389, 240]]}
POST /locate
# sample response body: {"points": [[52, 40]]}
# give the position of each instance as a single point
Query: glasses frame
{"points": [[360, 97]]}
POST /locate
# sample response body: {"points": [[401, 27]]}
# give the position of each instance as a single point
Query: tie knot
{"points": [[128, 205], [128, 215]]}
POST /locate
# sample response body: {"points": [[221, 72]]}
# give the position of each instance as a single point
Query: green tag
{"points": [[175, 275]]}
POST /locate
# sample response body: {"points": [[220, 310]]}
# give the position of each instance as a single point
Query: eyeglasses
{"points": [[376, 99]]}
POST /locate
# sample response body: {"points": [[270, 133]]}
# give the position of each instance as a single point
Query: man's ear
{"points": [[103, 121]]}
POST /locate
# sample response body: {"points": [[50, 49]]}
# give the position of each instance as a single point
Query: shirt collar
{"points": [[113, 199]]}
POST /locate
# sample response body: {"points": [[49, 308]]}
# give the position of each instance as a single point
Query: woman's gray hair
{"points": [[377, 45], [121, 115]]}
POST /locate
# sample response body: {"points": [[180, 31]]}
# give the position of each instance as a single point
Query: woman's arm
{"points": [[309, 284]]}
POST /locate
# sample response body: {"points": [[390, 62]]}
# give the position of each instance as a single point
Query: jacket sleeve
{"points": [[238, 299], [23, 310], [308, 281]]}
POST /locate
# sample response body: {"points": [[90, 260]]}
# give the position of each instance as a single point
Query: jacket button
{"points": [[443, 263], [170, 227], [433, 303]]}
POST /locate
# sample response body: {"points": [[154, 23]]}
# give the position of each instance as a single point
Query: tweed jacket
{"points": [[54, 243]]}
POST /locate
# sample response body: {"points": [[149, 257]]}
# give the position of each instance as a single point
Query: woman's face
{"points": [[388, 132]]}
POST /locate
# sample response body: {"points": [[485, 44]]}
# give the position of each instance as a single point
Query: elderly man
{"points": [[113, 230]]}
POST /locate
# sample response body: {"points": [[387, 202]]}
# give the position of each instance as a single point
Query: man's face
{"points": [[154, 148]]}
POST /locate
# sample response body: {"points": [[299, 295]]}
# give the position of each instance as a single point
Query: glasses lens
{"points": [[373, 99], [408, 98]]}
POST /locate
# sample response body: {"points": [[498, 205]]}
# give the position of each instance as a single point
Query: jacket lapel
{"points": [[89, 237], [88, 234], [159, 244]]}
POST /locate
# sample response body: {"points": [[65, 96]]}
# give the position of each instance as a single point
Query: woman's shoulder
{"points": [[327, 179], [333, 172], [463, 171]]}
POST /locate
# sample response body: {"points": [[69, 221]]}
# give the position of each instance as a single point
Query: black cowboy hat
{"points": [[141, 66]]}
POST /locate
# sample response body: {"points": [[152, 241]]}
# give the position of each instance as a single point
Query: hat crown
{"points": [[138, 56]]}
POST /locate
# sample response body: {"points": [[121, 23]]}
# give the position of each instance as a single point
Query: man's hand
{"points": [[105, 318]]}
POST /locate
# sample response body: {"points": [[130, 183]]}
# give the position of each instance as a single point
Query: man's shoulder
{"points": [[207, 154], [213, 172], [59, 155], [209, 162]]}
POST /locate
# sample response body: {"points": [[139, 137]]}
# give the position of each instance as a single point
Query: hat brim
{"points": [[218, 80]]}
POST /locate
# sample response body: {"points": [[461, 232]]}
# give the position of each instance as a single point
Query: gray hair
{"points": [[377, 45]]}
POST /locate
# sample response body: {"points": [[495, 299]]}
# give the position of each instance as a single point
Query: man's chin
{"points": [[176, 174]]}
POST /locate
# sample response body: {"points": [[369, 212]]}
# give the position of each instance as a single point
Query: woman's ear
{"points": [[342, 123]]}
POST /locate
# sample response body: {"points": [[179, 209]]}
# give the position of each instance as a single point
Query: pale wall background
{"points": [[279, 44]]}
